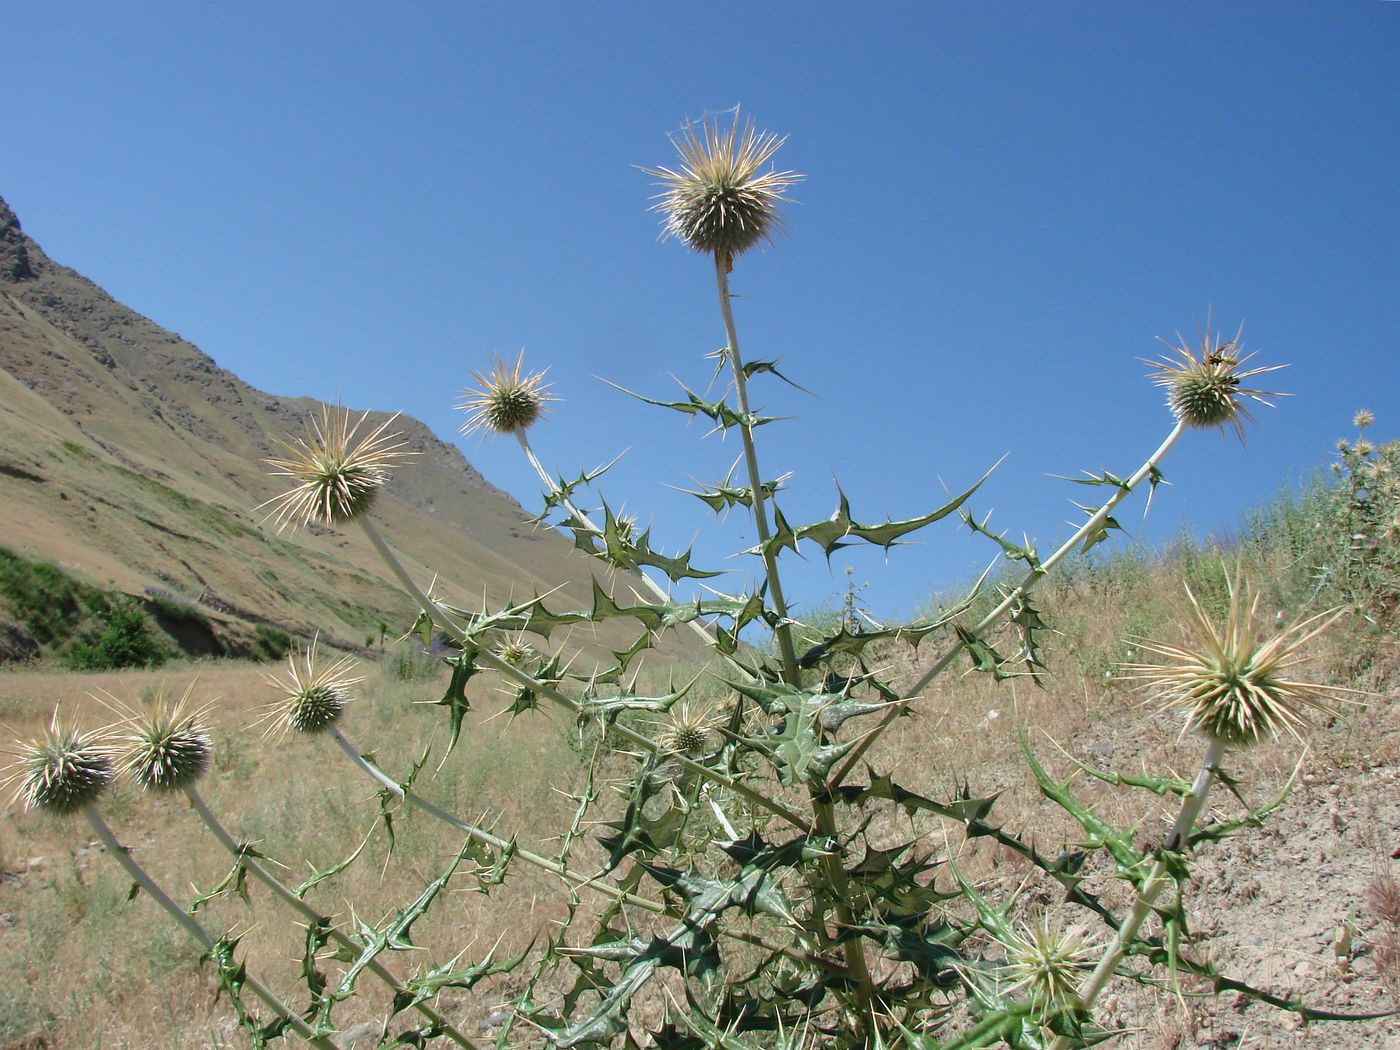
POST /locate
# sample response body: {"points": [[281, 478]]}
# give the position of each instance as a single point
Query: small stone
{"points": [[36, 864]]}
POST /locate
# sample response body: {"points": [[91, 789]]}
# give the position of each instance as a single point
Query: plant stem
{"points": [[583, 519], [553, 867], [791, 674], [1157, 879], [834, 886], [485, 837], [308, 912], [444, 619], [1033, 577], [193, 927]]}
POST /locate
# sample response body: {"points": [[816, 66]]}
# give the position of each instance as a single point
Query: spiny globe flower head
{"points": [[514, 650], [507, 401], [719, 199], [337, 470], [1208, 391], [61, 773], [314, 693], [687, 729], [1236, 686], [1046, 960], [165, 746], [1364, 418]]}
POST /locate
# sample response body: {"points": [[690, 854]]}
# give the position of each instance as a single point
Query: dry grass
{"points": [[81, 967]]}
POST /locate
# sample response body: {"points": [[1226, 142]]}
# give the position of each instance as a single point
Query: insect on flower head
{"points": [[1207, 392]]}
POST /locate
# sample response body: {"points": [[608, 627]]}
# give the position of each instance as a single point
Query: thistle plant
{"points": [[1365, 508], [742, 868]]}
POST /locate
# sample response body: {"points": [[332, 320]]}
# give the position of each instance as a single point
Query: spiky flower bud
{"points": [[166, 747], [507, 401], [717, 200], [687, 730], [1207, 392], [314, 694], [61, 773], [337, 473], [514, 651], [1363, 419], [1234, 685], [1047, 960]]}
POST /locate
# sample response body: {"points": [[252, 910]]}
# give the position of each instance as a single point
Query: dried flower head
{"points": [[718, 200], [506, 402], [61, 773], [1046, 960], [1207, 391], [1363, 419], [1235, 685], [337, 472], [166, 746], [314, 694]]}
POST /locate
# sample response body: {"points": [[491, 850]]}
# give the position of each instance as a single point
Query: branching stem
{"points": [[448, 623], [836, 887], [574, 878], [1032, 578]]}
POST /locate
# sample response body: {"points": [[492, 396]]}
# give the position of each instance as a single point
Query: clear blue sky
{"points": [[1005, 204]]}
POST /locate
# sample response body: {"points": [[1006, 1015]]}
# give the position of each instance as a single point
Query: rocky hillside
{"points": [[131, 459]]}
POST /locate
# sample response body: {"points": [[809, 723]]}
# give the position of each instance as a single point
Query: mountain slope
{"points": [[128, 456]]}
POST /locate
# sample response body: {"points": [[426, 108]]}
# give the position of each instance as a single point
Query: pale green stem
{"points": [[553, 867], [656, 589], [791, 674], [837, 884], [311, 914], [1033, 577], [193, 927], [485, 837], [445, 620], [1157, 881]]}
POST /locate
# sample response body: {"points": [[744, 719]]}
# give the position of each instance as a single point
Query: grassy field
{"points": [[82, 966]]}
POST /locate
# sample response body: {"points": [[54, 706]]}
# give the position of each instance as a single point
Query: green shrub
{"points": [[127, 640]]}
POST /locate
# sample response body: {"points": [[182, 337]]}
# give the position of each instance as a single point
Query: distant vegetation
{"points": [[88, 629]]}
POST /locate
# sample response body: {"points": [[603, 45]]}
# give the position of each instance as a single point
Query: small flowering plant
{"points": [[764, 880]]}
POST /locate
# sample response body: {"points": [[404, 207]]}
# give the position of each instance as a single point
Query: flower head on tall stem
{"points": [[719, 199], [507, 401], [314, 693], [337, 472], [1207, 392], [163, 746], [61, 773], [1236, 686]]}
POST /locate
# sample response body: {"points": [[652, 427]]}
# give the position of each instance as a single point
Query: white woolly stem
{"points": [[448, 623], [1157, 880], [193, 927], [1033, 577], [310, 913], [485, 837], [791, 674]]}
